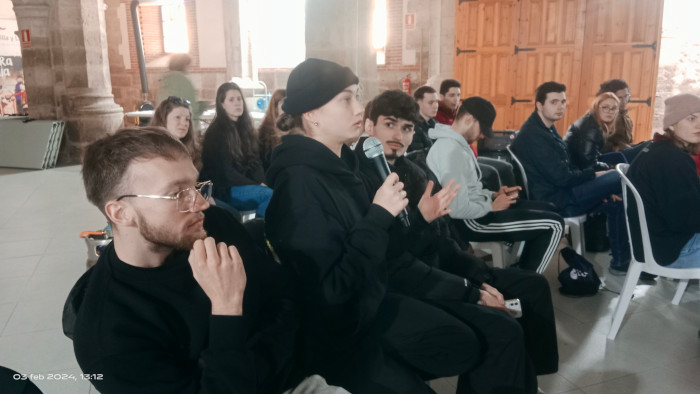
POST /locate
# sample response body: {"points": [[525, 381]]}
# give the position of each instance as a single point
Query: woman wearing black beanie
{"points": [[359, 329]]}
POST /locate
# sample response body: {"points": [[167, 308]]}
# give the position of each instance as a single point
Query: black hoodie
{"points": [[321, 221]]}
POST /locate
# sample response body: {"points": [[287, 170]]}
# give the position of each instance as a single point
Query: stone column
{"points": [[341, 31], [232, 38], [67, 69]]}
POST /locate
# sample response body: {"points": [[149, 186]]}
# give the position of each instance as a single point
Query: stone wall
{"points": [[123, 61]]}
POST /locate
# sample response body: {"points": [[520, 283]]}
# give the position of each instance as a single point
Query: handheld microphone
{"points": [[374, 151]]}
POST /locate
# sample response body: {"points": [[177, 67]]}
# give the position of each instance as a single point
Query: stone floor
{"points": [[41, 256]]}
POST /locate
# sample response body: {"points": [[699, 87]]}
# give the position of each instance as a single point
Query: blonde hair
{"points": [[607, 128]]}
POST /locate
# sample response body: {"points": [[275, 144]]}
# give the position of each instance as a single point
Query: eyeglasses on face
{"points": [[607, 109], [185, 198], [178, 100], [626, 97]]}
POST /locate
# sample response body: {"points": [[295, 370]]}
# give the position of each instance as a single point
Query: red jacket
{"points": [[445, 115]]}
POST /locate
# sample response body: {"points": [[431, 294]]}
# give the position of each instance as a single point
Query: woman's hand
{"points": [[391, 195], [433, 207]]}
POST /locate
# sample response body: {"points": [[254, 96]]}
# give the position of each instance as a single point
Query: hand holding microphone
{"points": [[390, 195]]}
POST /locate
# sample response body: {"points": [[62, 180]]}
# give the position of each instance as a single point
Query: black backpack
{"points": [[580, 279]]}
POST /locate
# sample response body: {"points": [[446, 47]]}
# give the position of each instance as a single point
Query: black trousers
{"points": [[537, 322], [421, 339], [531, 221]]}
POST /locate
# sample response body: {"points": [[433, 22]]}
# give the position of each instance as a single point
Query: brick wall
{"points": [[126, 82]]}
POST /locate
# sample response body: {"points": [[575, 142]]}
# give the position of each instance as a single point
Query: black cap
{"points": [[313, 83], [482, 110]]}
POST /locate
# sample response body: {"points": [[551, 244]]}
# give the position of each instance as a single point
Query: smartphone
{"points": [[514, 308]]}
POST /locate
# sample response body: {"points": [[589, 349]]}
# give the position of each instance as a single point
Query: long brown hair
{"points": [[241, 138], [268, 133], [160, 118], [607, 128]]}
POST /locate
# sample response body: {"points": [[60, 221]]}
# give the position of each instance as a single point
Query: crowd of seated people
{"points": [[364, 282]]}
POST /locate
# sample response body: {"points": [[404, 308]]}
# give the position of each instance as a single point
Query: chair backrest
{"points": [[643, 234], [521, 170]]}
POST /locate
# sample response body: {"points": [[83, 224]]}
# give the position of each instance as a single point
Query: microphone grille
{"points": [[372, 148]]}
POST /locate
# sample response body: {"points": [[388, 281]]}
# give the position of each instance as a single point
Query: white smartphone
{"points": [[514, 308]]}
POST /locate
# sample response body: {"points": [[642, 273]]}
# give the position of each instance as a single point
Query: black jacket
{"points": [[218, 165], [667, 180], [421, 143], [414, 253], [321, 222], [543, 153], [584, 142], [151, 329]]}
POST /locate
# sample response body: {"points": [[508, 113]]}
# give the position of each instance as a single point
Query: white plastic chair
{"points": [[503, 255], [574, 223], [649, 264]]}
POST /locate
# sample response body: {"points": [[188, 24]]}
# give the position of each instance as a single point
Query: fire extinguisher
{"points": [[406, 85]]}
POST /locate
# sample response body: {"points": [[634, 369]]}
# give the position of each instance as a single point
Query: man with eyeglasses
{"points": [[623, 136], [181, 301]]}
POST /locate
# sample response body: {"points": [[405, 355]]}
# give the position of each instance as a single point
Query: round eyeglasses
{"points": [[609, 110], [185, 198]]}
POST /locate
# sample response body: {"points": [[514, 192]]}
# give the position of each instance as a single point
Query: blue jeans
{"points": [[249, 197], [690, 254], [588, 198]]}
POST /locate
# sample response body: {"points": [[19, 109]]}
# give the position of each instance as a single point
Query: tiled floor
{"points": [[41, 256]]}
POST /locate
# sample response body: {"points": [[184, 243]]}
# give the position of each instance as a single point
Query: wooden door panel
{"points": [[484, 37], [550, 22], [621, 41], [483, 76], [537, 67], [549, 44], [506, 48]]}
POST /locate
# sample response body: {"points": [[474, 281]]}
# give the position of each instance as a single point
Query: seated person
{"points": [[666, 178], [450, 92], [427, 99], [489, 215], [175, 115], [230, 154], [622, 134], [370, 321], [587, 135], [495, 173], [181, 301], [390, 121], [552, 178]]}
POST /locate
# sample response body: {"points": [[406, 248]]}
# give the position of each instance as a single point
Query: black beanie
{"points": [[482, 110], [313, 83]]}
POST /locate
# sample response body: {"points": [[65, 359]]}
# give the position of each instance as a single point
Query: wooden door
{"points": [[548, 48], [622, 41], [484, 37]]}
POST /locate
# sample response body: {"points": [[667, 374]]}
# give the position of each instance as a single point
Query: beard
{"points": [[162, 237], [392, 156]]}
